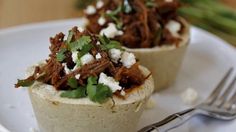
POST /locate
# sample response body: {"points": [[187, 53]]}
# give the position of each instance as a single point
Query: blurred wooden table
{"points": [[16, 12]]}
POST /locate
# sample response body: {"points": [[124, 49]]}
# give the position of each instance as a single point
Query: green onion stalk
{"points": [[211, 15]]}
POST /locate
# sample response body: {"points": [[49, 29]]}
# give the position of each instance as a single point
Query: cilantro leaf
{"points": [[78, 44], [107, 44], [113, 44], [103, 92], [97, 92], [84, 50], [127, 7], [70, 36], [25, 83], [104, 39], [91, 87], [80, 92], [60, 56], [78, 63], [92, 80], [91, 91], [113, 15], [116, 11], [72, 82], [119, 25]]}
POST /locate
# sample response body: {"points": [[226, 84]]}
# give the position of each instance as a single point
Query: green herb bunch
{"points": [[211, 15], [96, 92]]}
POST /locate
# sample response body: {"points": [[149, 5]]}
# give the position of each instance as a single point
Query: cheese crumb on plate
{"points": [[189, 96]]}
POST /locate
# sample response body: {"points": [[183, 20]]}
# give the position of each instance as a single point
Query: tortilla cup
{"points": [[56, 114], [164, 62]]}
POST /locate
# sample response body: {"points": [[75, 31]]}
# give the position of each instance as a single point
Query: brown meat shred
{"points": [[53, 73], [144, 26]]}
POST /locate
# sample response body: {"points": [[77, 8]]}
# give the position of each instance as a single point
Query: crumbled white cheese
{"points": [[120, 32], [77, 76], [66, 69], [99, 4], [74, 68], [128, 59], [108, 11], [174, 27], [115, 54], [101, 20], [98, 56], [80, 29], [74, 56], [111, 31], [31, 129], [90, 10], [189, 96], [98, 43], [87, 58], [109, 81], [122, 93]]}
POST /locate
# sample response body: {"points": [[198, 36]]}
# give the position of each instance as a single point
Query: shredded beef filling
{"points": [[53, 72], [144, 26]]}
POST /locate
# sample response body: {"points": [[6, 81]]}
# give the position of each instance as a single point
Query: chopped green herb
{"points": [[97, 92], [114, 17], [127, 7], [107, 44], [70, 35], [24, 83], [80, 92], [85, 49], [72, 82], [104, 39], [112, 44], [116, 11], [103, 92], [92, 80], [78, 44], [119, 25], [78, 63], [91, 87], [60, 55]]}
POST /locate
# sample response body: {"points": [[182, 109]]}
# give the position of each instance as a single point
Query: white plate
{"points": [[207, 59]]}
